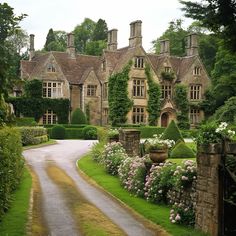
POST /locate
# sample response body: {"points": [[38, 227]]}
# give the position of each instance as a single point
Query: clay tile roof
{"points": [[112, 57], [27, 68], [186, 63]]}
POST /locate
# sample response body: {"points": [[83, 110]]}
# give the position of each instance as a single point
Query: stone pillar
{"points": [[31, 49], [208, 184], [130, 140]]}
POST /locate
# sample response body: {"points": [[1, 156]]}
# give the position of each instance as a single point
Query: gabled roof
{"points": [[73, 69]]}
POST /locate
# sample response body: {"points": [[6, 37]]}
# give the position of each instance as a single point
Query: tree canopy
{"points": [[218, 16]]}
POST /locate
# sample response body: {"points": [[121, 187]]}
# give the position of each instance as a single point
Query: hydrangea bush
{"points": [[132, 173], [159, 181], [113, 156]]}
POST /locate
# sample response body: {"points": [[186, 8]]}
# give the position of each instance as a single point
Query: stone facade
{"points": [[207, 210], [85, 78]]}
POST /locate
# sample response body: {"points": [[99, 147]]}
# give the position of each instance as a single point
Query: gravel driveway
{"points": [[57, 215]]}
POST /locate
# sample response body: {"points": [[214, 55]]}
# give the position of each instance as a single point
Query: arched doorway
{"points": [[164, 119]]}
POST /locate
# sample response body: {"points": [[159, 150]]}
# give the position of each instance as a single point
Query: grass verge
{"points": [[158, 214], [14, 221]]}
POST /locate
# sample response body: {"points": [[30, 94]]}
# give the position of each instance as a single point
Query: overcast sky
{"points": [[66, 14]]}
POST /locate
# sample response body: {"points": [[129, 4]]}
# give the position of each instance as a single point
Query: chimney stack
{"points": [[70, 45], [192, 45], [112, 40], [165, 47], [135, 33], [31, 49]]}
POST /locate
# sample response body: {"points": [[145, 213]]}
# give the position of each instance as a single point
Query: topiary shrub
{"points": [[181, 150], [58, 132], [90, 132], [172, 132], [78, 117]]}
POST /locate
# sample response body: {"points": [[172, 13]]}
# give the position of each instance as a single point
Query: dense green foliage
{"points": [[49, 40], [58, 132], [70, 133], [33, 135], [118, 99], [33, 88], [181, 101], [181, 150], [78, 117], [154, 95], [218, 16], [172, 132], [15, 220], [11, 165], [36, 107], [90, 132], [227, 112]]}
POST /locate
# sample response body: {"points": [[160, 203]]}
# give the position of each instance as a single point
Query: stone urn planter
{"points": [[158, 155]]}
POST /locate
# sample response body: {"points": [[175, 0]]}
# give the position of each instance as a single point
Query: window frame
{"points": [[197, 70], [166, 91], [139, 62], [194, 116], [52, 89], [139, 88], [91, 90], [195, 92], [139, 116], [49, 117]]}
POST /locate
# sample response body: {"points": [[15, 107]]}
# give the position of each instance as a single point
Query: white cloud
{"points": [[65, 15]]}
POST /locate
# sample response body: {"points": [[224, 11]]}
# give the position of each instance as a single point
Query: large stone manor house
{"points": [[83, 79]]}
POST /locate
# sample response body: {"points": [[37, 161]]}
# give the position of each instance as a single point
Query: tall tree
{"points": [[8, 25], [218, 16], [100, 31], [49, 40], [176, 34], [83, 34]]}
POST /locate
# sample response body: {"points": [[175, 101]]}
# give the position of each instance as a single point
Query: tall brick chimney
{"points": [[192, 45], [31, 49], [112, 40], [165, 47], [135, 33], [70, 45]]}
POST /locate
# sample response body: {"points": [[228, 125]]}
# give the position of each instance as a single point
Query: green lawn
{"points": [[158, 214], [15, 220]]}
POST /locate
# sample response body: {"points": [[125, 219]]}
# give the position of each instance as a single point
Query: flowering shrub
{"points": [[186, 174], [158, 143], [159, 181], [183, 201], [132, 173], [181, 214], [211, 133], [113, 156], [224, 131]]}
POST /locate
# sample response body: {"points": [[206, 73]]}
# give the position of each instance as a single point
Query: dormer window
{"points": [[51, 68], [139, 62], [197, 70], [167, 69]]}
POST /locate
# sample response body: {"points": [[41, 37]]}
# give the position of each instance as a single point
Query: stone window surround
{"points": [[139, 62], [49, 117], [194, 116], [195, 91], [52, 89], [197, 70], [166, 91], [51, 68], [139, 88], [138, 115], [91, 90], [167, 69]]}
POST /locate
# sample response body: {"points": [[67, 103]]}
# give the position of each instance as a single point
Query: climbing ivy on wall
{"points": [[33, 105], [36, 107], [118, 99], [182, 104], [154, 101]]}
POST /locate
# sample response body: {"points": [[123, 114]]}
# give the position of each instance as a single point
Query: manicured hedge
{"points": [[67, 125], [11, 165], [58, 132], [70, 133], [181, 150], [33, 135], [172, 132]]}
